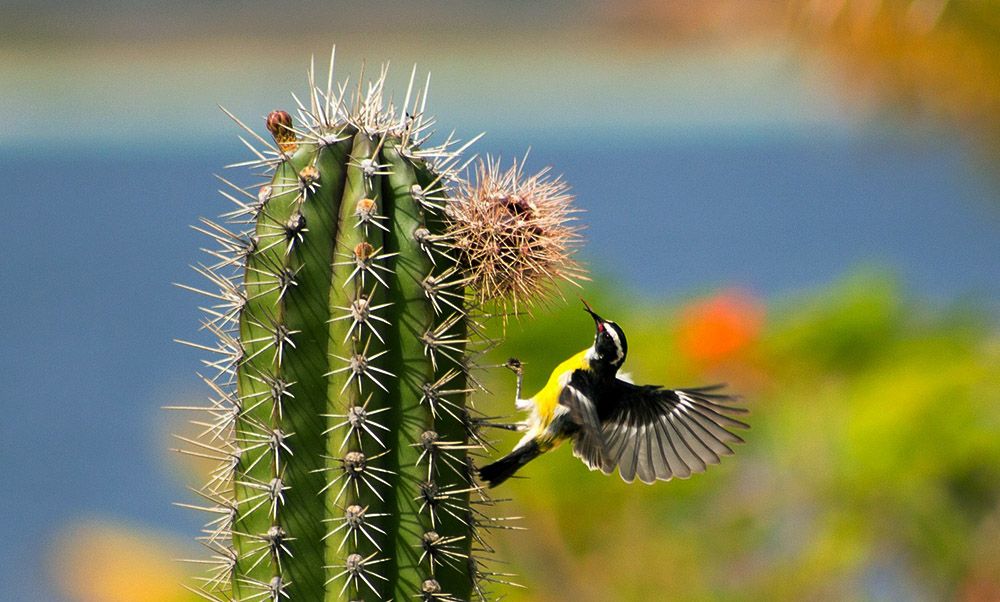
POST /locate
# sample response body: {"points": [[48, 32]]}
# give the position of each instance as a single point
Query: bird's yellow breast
{"points": [[547, 399]]}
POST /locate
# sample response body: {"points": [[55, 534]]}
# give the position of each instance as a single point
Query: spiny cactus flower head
{"points": [[515, 235]]}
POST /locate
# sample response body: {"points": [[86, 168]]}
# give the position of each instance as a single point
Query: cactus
{"points": [[347, 318]]}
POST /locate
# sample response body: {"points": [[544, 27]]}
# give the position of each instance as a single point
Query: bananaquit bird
{"points": [[644, 430]]}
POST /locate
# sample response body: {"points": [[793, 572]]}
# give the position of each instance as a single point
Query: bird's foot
{"points": [[517, 367], [514, 365]]}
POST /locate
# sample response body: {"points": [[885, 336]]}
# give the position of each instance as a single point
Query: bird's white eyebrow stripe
{"points": [[618, 342]]}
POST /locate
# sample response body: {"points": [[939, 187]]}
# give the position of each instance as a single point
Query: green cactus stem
{"points": [[345, 325]]}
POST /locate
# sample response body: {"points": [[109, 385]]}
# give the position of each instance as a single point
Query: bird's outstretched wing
{"points": [[588, 442], [659, 433]]}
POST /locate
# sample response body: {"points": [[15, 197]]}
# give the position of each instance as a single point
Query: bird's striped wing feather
{"points": [[588, 444], [659, 434]]}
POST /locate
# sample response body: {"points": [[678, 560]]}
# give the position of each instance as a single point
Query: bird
{"points": [[645, 431]]}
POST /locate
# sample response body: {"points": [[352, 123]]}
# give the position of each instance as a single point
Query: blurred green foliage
{"points": [[872, 469]]}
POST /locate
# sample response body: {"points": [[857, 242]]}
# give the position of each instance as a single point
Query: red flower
{"points": [[720, 328]]}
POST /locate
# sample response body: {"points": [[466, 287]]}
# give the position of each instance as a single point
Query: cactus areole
{"points": [[346, 314]]}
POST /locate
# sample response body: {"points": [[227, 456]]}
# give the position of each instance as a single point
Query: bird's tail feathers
{"points": [[505, 467]]}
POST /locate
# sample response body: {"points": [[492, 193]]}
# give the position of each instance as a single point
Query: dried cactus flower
{"points": [[515, 235]]}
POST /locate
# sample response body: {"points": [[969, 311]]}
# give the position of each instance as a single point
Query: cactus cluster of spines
{"points": [[344, 319], [517, 232]]}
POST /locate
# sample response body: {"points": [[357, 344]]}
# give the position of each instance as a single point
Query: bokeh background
{"points": [[797, 197]]}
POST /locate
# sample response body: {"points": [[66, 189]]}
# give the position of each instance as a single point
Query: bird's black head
{"points": [[610, 346]]}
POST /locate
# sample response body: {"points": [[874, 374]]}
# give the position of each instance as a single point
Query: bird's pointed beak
{"points": [[598, 320]]}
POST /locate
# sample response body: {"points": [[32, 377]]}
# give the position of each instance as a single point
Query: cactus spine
{"points": [[344, 322]]}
